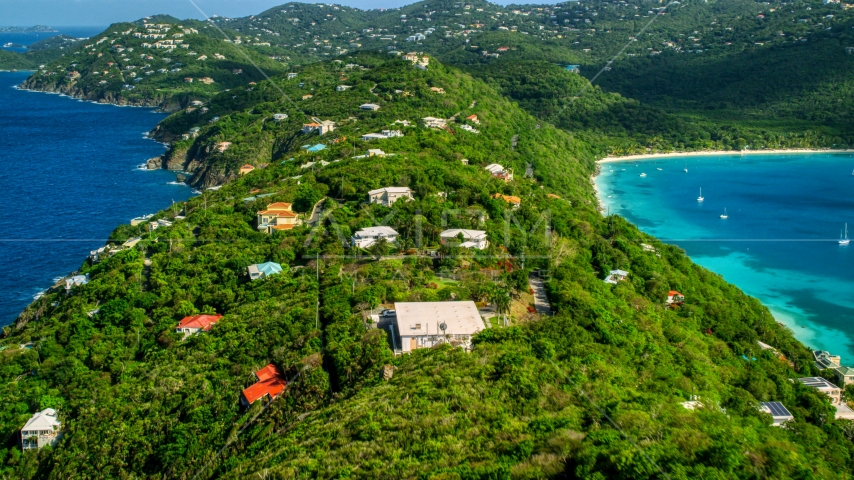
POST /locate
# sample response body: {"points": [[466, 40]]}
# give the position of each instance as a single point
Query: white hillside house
{"points": [[471, 238], [426, 324], [388, 195], [366, 237], [41, 430]]}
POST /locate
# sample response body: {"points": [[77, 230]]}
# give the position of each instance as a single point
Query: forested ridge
{"points": [[594, 391]]}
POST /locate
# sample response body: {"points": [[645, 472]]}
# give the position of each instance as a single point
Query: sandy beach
{"points": [[707, 153]]}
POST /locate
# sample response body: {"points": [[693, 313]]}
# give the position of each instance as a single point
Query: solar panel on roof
{"points": [[777, 409]]}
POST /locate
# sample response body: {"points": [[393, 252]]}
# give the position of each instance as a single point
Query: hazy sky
{"points": [[25, 13]]}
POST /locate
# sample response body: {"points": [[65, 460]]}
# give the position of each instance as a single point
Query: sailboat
{"points": [[686, 167], [700, 198], [725, 216], [642, 174], [843, 237]]}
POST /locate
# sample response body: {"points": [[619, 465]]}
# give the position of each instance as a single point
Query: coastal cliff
{"points": [[73, 89]]}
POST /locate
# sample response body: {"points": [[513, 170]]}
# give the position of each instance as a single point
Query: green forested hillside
{"points": [[594, 391]]}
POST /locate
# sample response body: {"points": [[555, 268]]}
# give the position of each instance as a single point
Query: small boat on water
{"points": [[686, 166], [642, 174], [843, 236], [724, 216], [701, 198], [658, 169]]}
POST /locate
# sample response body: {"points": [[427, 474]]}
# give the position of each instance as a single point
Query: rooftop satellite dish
{"points": [[443, 326]]}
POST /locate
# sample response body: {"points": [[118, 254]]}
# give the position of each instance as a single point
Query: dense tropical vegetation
{"points": [[594, 391]]}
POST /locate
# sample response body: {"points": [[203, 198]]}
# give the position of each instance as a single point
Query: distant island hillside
{"points": [[394, 271], [690, 76], [33, 29]]}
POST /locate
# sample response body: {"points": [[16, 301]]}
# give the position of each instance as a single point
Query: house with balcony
{"points": [[675, 298], [41, 429], [388, 195], [277, 216]]}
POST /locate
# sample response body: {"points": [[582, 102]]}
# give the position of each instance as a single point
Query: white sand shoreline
{"points": [[709, 153]]}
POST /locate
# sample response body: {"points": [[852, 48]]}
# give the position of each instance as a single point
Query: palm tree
{"points": [[501, 300]]}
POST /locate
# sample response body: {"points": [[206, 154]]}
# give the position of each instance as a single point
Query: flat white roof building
{"points": [[366, 237], [471, 238], [426, 324]]}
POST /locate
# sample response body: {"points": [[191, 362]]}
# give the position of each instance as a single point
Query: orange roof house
{"points": [[277, 216], [473, 119], [270, 384], [196, 324], [246, 169], [514, 201]]}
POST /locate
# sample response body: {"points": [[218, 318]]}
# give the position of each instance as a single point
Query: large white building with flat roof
{"points": [[426, 324]]}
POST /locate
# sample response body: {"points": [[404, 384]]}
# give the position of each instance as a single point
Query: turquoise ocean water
{"points": [[780, 242]]}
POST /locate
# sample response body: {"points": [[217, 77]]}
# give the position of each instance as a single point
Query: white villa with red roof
{"points": [[196, 323]]}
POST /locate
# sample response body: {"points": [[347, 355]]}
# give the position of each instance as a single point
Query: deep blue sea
{"points": [[33, 37], [780, 242], [70, 177]]}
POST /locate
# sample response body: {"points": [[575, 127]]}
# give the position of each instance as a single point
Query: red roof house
{"points": [[675, 298], [197, 323], [271, 383]]}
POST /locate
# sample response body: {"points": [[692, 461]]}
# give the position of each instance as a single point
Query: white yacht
{"points": [[725, 216], [700, 198]]}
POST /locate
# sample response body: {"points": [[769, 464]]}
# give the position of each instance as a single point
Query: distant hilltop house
{"points": [[675, 298], [307, 96], [263, 270], [206, 80], [470, 238], [323, 127], [514, 201], [388, 195], [245, 169], [277, 216], [779, 413], [343, 88], [41, 429], [75, 281], [473, 119], [376, 152], [615, 276], [433, 122], [237, 71], [366, 237], [292, 75], [270, 383], [439, 90], [417, 325], [280, 116], [500, 172], [573, 68], [222, 146], [194, 324], [369, 106]]}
